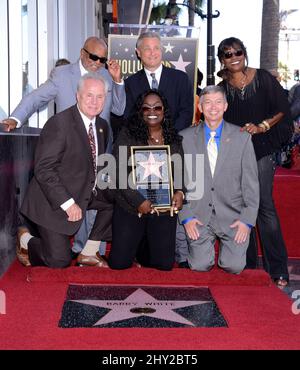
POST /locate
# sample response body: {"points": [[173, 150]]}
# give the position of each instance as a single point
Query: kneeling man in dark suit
{"points": [[225, 205], [64, 183]]}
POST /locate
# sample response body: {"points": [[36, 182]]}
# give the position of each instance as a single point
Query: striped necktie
{"points": [[93, 146], [154, 81], [212, 151]]}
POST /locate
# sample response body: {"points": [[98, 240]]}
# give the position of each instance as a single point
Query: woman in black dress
{"points": [[135, 221], [258, 103]]}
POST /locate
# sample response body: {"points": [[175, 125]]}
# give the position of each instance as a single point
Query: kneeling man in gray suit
{"points": [[226, 208]]}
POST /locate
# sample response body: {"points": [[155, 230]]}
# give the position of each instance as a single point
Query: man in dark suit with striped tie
{"points": [[172, 83], [64, 183]]}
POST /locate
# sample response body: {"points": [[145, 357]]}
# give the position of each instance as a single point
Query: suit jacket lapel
{"points": [[102, 135], [164, 81], [80, 128], [143, 79], [224, 148], [201, 147]]}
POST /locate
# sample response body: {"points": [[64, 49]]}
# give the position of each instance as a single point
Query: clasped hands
{"points": [[147, 207]]}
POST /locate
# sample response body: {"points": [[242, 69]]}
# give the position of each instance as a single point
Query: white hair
{"points": [[92, 76]]}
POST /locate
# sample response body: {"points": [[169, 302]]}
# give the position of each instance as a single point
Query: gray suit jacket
{"points": [[234, 190], [62, 86]]}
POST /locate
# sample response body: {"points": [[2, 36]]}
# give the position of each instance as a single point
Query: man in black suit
{"points": [[176, 88], [172, 83], [64, 182]]}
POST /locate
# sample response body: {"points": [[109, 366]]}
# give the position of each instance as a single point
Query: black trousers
{"points": [[272, 243], [129, 232], [54, 250]]}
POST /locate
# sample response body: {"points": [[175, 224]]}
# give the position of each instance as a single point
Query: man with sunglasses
{"points": [[62, 83], [61, 88]]}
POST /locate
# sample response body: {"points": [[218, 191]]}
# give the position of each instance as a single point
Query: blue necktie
{"points": [[154, 81]]}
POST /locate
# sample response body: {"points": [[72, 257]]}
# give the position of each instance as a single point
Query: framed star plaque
{"points": [[152, 174]]}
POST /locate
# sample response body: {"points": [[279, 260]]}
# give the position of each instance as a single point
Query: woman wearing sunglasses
{"points": [[136, 222], [257, 103]]}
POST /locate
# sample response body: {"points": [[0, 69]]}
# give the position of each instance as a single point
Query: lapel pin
{"points": [[101, 130]]}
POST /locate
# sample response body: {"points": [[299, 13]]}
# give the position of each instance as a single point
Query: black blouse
{"points": [[261, 99]]}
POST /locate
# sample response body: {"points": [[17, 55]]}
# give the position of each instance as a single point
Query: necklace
{"points": [[240, 85], [243, 85], [157, 140]]}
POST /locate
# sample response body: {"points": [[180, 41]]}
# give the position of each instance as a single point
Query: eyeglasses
{"points": [[148, 109], [95, 57], [236, 53]]}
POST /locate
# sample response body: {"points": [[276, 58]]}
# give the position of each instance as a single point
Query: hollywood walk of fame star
{"points": [[169, 48], [151, 166], [140, 303], [180, 64]]}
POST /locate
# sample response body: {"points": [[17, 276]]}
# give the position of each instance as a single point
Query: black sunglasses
{"points": [[95, 57], [157, 109], [237, 53]]}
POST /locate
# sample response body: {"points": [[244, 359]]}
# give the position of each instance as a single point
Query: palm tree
{"points": [[193, 4], [163, 11], [270, 35], [158, 13], [283, 16]]}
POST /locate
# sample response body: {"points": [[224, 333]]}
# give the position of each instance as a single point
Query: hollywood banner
{"points": [[179, 53]]}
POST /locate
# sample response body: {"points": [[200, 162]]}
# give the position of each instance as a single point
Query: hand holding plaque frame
{"points": [[152, 174]]}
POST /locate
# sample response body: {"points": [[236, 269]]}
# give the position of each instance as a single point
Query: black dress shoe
{"points": [[74, 255], [183, 265]]}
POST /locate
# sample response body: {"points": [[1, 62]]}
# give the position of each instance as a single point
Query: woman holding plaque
{"points": [[146, 204]]}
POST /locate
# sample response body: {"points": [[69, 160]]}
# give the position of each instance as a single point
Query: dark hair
{"points": [[62, 62], [230, 42], [199, 76], [139, 130]]}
